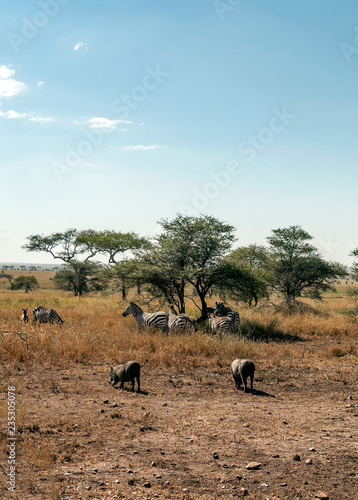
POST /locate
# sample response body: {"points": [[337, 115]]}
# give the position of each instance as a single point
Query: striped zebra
{"points": [[179, 321], [221, 324], [145, 319], [222, 310], [43, 315], [24, 317]]}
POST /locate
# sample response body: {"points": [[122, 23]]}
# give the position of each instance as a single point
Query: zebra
{"points": [[221, 324], [222, 310], [24, 317], [43, 315], [179, 321], [145, 319]]}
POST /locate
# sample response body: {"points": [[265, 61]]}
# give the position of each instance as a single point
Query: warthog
{"points": [[125, 373], [241, 369]]}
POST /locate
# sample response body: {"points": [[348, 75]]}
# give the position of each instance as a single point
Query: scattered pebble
{"points": [[165, 404], [283, 484], [244, 492], [147, 484], [285, 422], [105, 401], [264, 485], [308, 461], [322, 495], [312, 449], [276, 456], [131, 482], [296, 457], [253, 465], [117, 481], [246, 425], [154, 464], [215, 455]]}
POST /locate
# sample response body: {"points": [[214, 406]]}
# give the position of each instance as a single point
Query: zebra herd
{"points": [[222, 319]]}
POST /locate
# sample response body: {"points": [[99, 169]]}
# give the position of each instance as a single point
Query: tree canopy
{"points": [[26, 283], [63, 246], [297, 266], [188, 256], [79, 277], [354, 253]]}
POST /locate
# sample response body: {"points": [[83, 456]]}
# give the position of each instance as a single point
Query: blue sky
{"points": [[116, 114]]}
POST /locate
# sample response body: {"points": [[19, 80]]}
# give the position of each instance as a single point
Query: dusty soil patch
{"points": [[187, 435]]}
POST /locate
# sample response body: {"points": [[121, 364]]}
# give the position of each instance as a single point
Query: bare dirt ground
{"points": [[188, 435]]}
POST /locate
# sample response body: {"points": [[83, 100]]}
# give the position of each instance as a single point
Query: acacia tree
{"points": [[188, 254], [79, 277], [63, 246], [112, 245], [256, 260], [354, 271], [66, 247], [71, 244], [26, 283], [297, 266]]}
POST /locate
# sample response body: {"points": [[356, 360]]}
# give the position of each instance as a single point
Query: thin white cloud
{"points": [[11, 114], [41, 83], [42, 119], [81, 46], [140, 147], [8, 86], [99, 122]]}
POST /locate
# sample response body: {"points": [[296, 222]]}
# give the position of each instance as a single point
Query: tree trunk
{"points": [[181, 304], [204, 309], [124, 291]]}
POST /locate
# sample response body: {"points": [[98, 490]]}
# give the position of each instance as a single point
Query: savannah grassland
{"points": [[79, 438]]}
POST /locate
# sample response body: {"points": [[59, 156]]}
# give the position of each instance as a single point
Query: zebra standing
{"points": [[222, 310], [24, 317], [43, 315], [221, 324], [179, 321], [145, 319]]}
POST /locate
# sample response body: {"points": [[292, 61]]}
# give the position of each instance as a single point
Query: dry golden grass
{"points": [[95, 331]]}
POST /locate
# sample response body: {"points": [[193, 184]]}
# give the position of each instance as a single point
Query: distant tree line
{"points": [[191, 259]]}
